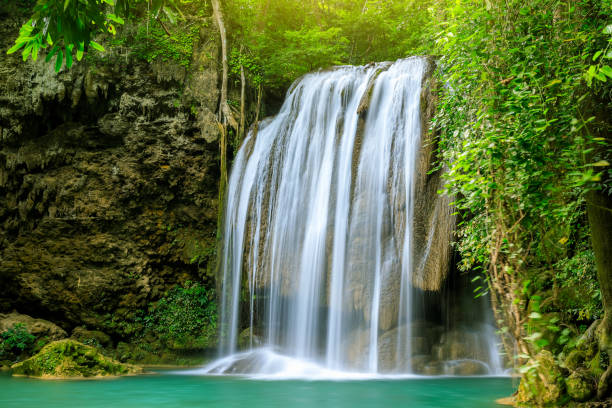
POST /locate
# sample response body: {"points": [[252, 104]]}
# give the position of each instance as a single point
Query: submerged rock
{"points": [[70, 359]]}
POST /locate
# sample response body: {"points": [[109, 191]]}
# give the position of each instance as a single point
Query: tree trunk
{"points": [[241, 131], [257, 110], [599, 208], [224, 117], [225, 113]]}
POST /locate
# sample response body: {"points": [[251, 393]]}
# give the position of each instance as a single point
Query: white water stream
{"points": [[313, 261]]}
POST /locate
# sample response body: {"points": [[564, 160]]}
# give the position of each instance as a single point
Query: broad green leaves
{"points": [[73, 25]]}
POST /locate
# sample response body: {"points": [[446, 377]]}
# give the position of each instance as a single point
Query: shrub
{"points": [[16, 340], [185, 312]]}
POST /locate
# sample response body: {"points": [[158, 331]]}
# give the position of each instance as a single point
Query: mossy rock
{"points": [[575, 359], [544, 384], [69, 359], [580, 387], [91, 337]]}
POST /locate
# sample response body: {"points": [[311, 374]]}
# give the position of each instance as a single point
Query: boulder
{"points": [[36, 327], [245, 341], [461, 345], [433, 368], [356, 348], [71, 359], [91, 337], [418, 363], [388, 359], [543, 384], [466, 367], [580, 387]]}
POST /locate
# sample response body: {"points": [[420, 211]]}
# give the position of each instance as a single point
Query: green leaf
{"points": [[59, 60], [26, 52], [533, 337], [51, 53], [66, 3], [80, 50], [68, 57], [606, 70], [15, 47], [601, 163], [96, 46], [597, 54], [171, 16], [115, 18]]}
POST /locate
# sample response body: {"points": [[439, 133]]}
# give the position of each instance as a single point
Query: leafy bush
{"points": [[185, 313], [579, 277], [516, 124], [16, 340]]}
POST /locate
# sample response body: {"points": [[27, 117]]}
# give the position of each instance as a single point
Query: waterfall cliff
{"points": [[334, 229]]}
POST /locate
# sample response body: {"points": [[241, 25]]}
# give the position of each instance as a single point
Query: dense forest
{"points": [[522, 128]]}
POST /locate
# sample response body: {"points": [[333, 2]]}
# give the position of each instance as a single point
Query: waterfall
{"points": [[318, 247]]}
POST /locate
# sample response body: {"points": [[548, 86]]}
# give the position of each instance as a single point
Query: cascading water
{"points": [[318, 240]]}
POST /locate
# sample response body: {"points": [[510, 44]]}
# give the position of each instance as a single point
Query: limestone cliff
{"points": [[108, 180]]}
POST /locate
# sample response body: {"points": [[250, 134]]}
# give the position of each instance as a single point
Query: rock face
{"points": [[68, 359], [96, 337], [37, 327], [108, 181]]}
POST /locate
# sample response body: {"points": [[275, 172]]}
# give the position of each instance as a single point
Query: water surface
{"points": [[167, 390]]}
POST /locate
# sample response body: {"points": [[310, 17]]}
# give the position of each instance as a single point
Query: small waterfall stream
{"points": [[319, 239]]}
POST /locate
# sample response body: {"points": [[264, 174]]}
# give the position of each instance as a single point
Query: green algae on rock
{"points": [[69, 359], [543, 385]]}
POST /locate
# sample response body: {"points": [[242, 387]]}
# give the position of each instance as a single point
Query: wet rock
{"points": [[433, 368], [248, 339], [356, 350], [37, 327], [388, 358], [466, 367], [419, 364], [69, 359], [433, 219], [461, 345]]}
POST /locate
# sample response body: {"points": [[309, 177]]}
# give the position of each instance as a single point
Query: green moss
{"points": [[580, 387], [69, 358], [543, 384]]}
